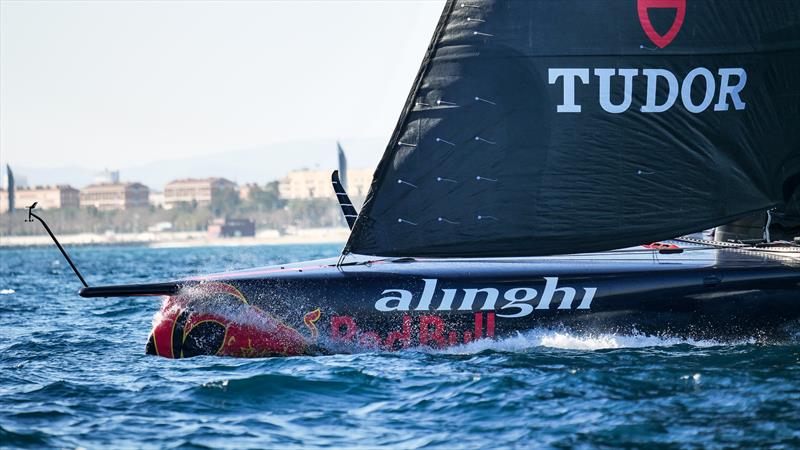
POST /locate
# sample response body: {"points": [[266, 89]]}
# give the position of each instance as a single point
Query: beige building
{"points": [[156, 199], [358, 182], [192, 190], [48, 197], [306, 184], [107, 196]]}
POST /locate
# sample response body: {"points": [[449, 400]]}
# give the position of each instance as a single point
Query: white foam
{"points": [[203, 302], [577, 341], [7, 291]]}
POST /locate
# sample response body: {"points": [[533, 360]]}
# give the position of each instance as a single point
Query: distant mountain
{"points": [[259, 165]]}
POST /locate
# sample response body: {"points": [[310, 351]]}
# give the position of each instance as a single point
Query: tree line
{"points": [[264, 205]]}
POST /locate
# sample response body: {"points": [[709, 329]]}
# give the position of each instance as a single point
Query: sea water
{"points": [[73, 373]]}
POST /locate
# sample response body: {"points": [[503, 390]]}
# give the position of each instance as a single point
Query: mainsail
{"points": [[543, 127]]}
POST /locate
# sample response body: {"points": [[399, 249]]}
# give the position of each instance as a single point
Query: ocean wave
{"points": [[279, 390], [118, 310], [7, 291], [23, 439], [74, 374]]}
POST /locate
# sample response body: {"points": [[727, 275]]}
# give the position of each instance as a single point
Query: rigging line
{"points": [[31, 216]]}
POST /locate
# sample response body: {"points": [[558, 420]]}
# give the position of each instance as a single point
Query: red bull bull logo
{"points": [[208, 321], [426, 330]]}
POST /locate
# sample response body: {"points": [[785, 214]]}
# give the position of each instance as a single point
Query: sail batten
{"points": [[537, 127]]}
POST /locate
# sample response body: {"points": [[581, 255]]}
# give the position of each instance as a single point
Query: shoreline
{"points": [[184, 239]]}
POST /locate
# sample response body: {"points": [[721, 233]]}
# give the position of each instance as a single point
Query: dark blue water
{"points": [[73, 374]]}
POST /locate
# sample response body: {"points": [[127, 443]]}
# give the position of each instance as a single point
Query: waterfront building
{"points": [[358, 182], [191, 190], [228, 227], [48, 197], [4, 202], [156, 198], [107, 196], [308, 184]]}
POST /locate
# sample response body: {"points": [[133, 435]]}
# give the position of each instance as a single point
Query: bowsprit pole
{"points": [[32, 216], [122, 290]]}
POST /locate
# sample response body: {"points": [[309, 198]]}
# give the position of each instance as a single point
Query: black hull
{"points": [[722, 294]]}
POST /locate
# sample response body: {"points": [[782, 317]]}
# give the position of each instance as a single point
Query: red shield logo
{"points": [[644, 7]]}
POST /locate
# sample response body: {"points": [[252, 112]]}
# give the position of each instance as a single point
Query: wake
{"points": [[567, 340]]}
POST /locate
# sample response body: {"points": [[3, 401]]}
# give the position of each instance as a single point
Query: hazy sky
{"points": [[110, 84]]}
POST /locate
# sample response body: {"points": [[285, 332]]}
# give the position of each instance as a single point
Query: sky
{"points": [[111, 84]]}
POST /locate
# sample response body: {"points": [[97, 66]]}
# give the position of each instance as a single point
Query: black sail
{"points": [[685, 116]]}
